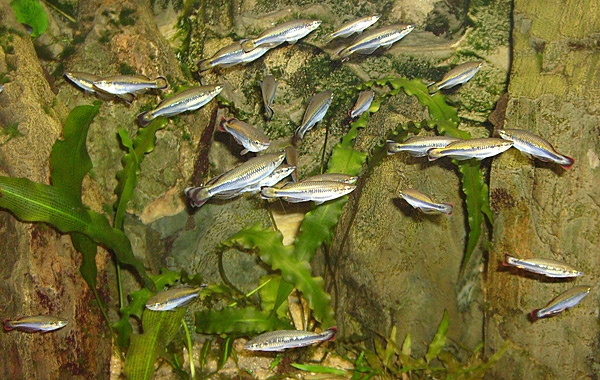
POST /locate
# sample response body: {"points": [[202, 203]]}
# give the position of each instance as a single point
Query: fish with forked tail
{"points": [[38, 323], [251, 138], [129, 84], [424, 202], [417, 146], [317, 191], [458, 75], [472, 148], [534, 146], [232, 55], [369, 42], [284, 339], [289, 31], [546, 267], [315, 112], [351, 27], [563, 301]]}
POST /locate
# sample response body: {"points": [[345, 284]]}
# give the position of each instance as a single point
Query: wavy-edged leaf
{"points": [[160, 327], [474, 188], [32, 13], [232, 320], [279, 257], [439, 340], [319, 369]]}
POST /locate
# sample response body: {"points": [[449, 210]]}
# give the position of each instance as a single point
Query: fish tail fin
{"points": [[204, 65], [299, 133], [533, 314], [247, 45], [447, 208], [328, 38], [333, 331], [222, 124], [197, 195], [568, 162], [269, 113], [390, 146], [433, 88], [144, 118], [343, 54], [268, 193], [7, 324], [507, 259], [161, 83], [431, 155]]}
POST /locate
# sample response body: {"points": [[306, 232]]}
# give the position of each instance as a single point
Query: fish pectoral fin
{"points": [[291, 42], [367, 51], [244, 151], [294, 200], [227, 194]]}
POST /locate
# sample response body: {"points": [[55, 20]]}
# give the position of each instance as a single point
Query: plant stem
{"points": [[119, 284]]}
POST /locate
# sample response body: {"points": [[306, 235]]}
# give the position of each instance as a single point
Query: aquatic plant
{"points": [[31, 12]]}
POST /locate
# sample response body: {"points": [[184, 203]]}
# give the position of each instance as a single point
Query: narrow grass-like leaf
{"points": [[32, 13], [439, 340], [279, 257], [160, 327], [226, 349], [203, 356], [231, 320], [319, 369], [270, 297]]}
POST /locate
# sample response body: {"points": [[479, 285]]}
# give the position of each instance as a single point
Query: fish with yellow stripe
{"points": [[472, 148], [534, 146], [424, 202], [284, 339], [37, 323], [458, 75], [251, 138], [565, 300], [417, 146]]}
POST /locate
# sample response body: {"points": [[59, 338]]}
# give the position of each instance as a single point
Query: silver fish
{"points": [[251, 138], [458, 75], [172, 298], [547, 267], [533, 145], [274, 178], [318, 191], [290, 31], [333, 177], [35, 323], [367, 43], [233, 54], [472, 148], [564, 301], [86, 81], [268, 87], [316, 110], [128, 84], [365, 98], [283, 339], [291, 157], [186, 100], [424, 202], [250, 172], [351, 27], [417, 146]]}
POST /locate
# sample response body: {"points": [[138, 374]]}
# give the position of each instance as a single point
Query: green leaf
{"points": [[390, 348], [271, 297], [160, 327], [226, 350], [439, 340], [273, 252], [32, 13], [319, 369], [231, 320], [204, 351]]}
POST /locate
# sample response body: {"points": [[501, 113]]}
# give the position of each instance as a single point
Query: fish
{"points": [[284, 339], [367, 43], [351, 27], [36, 323], [289, 31], [291, 157], [458, 75], [186, 100], [424, 202], [546, 267], [172, 298], [250, 172], [251, 138], [564, 301], [365, 98], [333, 177], [316, 110], [417, 146], [278, 174], [85, 81], [318, 191], [232, 55], [533, 145], [1, 88], [268, 87], [129, 84], [472, 148]]}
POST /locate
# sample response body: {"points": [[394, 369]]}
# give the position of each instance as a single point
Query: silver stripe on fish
{"points": [[128, 84], [472, 148], [85, 81], [332, 177], [173, 298], [351, 27], [268, 88], [546, 267], [284, 339], [424, 202], [289, 31], [251, 138], [363, 103], [233, 54], [318, 191], [564, 301], [186, 100], [36, 323], [367, 43], [533, 145], [458, 75], [417, 146], [316, 110]]}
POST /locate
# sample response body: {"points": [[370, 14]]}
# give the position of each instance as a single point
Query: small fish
{"points": [[172, 298], [547, 267], [233, 54], [291, 157], [333, 177], [423, 201], [86, 81], [533, 145], [458, 75], [369, 42], [351, 27], [128, 84], [250, 172], [290, 31], [186, 100], [251, 138], [268, 87], [274, 178], [35, 323], [362, 104], [472, 148], [283, 339], [417, 146], [318, 191], [564, 301], [316, 110]]}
